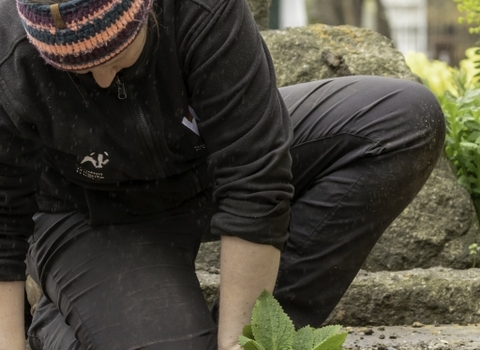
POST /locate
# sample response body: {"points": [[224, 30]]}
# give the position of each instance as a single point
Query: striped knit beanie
{"points": [[81, 34]]}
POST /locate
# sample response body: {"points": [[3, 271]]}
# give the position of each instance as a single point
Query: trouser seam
{"points": [[376, 142], [308, 240]]}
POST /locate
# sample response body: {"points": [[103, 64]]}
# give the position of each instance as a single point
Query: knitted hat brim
{"points": [[95, 30]]}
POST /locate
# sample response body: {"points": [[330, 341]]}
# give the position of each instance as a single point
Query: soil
{"points": [[415, 337]]}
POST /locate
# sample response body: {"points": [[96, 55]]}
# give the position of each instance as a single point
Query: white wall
{"points": [[408, 23], [293, 13]]}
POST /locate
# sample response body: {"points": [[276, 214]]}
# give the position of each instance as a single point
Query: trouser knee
{"points": [[424, 119]]}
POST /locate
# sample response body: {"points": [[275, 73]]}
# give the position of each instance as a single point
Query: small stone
{"points": [[417, 325], [382, 336], [368, 331], [381, 328], [393, 336]]}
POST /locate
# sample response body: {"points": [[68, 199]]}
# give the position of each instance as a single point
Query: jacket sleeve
{"points": [[18, 181], [244, 124]]}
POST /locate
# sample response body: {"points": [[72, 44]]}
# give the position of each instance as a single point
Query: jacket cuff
{"points": [[271, 230], [11, 271], [12, 259]]}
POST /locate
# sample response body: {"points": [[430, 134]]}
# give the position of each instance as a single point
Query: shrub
{"points": [[458, 90], [472, 15]]}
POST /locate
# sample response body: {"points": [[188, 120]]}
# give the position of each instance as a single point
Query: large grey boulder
{"points": [[319, 51], [207, 267], [429, 296], [260, 11], [434, 230]]}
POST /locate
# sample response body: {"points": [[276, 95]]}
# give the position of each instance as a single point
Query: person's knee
{"points": [[423, 116]]}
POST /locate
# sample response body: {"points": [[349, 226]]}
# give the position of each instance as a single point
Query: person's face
{"points": [[105, 73]]}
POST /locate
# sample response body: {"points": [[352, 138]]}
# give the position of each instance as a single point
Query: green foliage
{"points": [[458, 90], [472, 13], [459, 94], [472, 17], [272, 329], [442, 79], [462, 144]]}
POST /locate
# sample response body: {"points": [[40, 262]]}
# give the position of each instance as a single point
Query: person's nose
{"points": [[104, 76]]}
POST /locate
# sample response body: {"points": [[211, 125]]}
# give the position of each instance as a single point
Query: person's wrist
{"points": [[230, 343], [14, 342], [230, 347], [12, 325]]}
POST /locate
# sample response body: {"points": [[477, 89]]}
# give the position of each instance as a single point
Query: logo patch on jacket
{"points": [[93, 161], [190, 121]]}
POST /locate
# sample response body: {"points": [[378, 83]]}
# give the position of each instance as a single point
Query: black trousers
{"points": [[364, 147]]}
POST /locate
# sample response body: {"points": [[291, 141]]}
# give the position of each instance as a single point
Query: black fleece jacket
{"points": [[132, 152]]}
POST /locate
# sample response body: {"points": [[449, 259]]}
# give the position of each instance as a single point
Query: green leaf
{"points": [[323, 333], [271, 327], [247, 331], [334, 342], [469, 145], [463, 181], [474, 137], [303, 339], [249, 344], [472, 126], [476, 191]]}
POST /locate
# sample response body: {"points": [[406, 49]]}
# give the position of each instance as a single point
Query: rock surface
{"points": [[429, 296], [207, 267], [434, 230], [319, 51], [260, 11], [414, 337]]}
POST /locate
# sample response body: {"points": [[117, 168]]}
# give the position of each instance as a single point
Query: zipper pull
{"points": [[122, 91]]}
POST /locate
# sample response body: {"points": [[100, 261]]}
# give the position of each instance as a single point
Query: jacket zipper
{"points": [[143, 125], [122, 92]]}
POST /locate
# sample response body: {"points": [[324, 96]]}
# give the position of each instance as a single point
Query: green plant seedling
{"points": [[473, 251], [272, 329]]}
